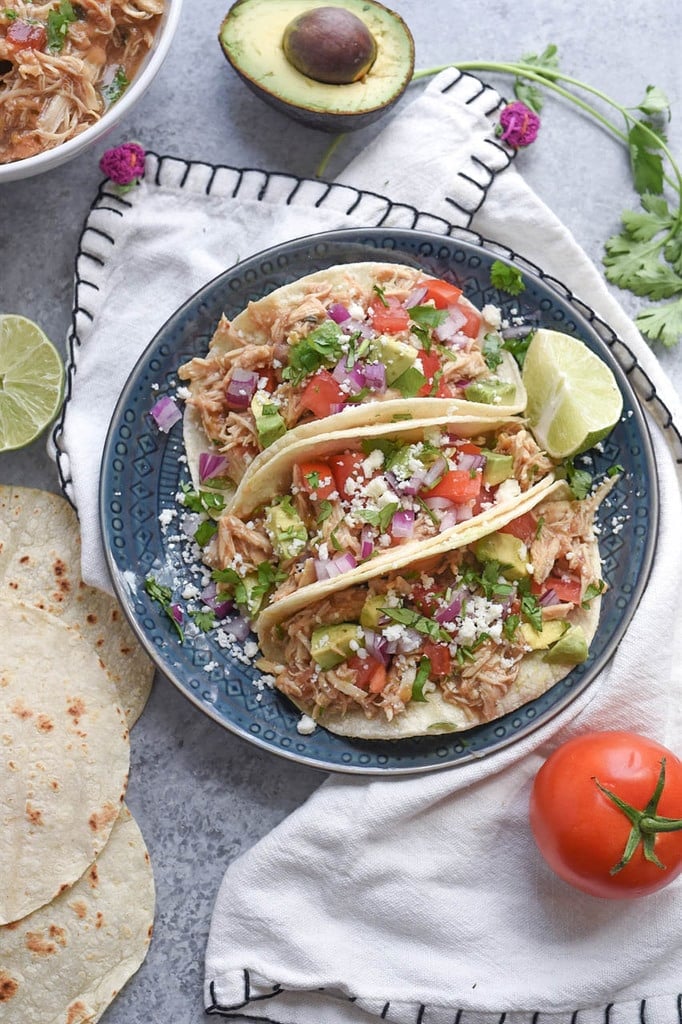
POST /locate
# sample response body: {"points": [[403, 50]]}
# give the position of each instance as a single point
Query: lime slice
{"points": [[573, 398], [31, 381]]}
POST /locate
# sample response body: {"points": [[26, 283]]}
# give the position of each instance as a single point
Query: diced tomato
{"points": [[425, 600], [370, 674], [321, 393], [440, 658], [458, 485], [316, 478], [431, 365], [473, 321], [523, 527], [468, 448], [390, 319], [21, 35], [566, 590], [344, 466], [441, 293]]}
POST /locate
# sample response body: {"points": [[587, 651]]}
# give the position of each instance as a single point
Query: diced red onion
{"points": [[458, 341], [549, 598], [344, 562], [411, 486], [451, 611], [464, 511], [212, 465], [451, 326], [448, 520], [376, 646], [466, 460], [221, 606], [416, 297], [353, 378], [409, 640], [366, 542], [402, 524], [336, 407], [241, 388], [165, 413], [338, 312], [439, 504], [208, 593], [321, 566], [327, 568], [176, 612], [239, 627], [375, 377], [353, 326], [435, 472]]}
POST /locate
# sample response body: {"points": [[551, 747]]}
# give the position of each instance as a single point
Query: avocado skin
{"points": [[333, 121]]}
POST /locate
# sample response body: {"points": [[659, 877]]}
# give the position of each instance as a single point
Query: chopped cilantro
{"points": [[518, 347], [424, 320], [325, 510], [322, 347], [205, 531], [382, 295], [423, 625], [163, 596], [10, 14], [615, 470], [58, 25], [313, 480], [208, 502], [117, 86], [423, 673], [204, 619], [579, 480], [378, 517], [531, 609], [510, 626], [492, 350], [506, 279], [591, 591]]}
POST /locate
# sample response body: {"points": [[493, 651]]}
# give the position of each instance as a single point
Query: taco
{"points": [[325, 507], [449, 641], [345, 346]]}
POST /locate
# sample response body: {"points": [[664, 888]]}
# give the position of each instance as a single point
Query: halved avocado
{"points": [[252, 37]]}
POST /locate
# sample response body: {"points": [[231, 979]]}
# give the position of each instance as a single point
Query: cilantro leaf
{"points": [[662, 323], [492, 350], [579, 480], [592, 590], [647, 165], [117, 86], [163, 596], [655, 102], [543, 64], [420, 623], [378, 517], [322, 347], [58, 25], [518, 347], [423, 673], [204, 619], [506, 278]]}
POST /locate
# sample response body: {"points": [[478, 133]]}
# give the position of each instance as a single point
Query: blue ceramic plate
{"points": [[142, 470]]}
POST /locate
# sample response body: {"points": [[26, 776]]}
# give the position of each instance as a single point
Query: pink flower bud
{"points": [[519, 125], [123, 164]]}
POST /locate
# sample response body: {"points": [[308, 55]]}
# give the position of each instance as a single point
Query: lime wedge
{"points": [[573, 398], [31, 381]]}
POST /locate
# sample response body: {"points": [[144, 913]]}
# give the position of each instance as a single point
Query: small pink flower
{"points": [[519, 125], [124, 165]]}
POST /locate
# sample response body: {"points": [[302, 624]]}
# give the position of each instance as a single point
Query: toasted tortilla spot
{"points": [[9, 987], [102, 819], [77, 1013], [91, 618], [20, 710], [58, 934], [76, 708], [12, 765], [34, 815], [93, 876], [24, 558], [99, 919], [79, 908], [44, 723], [13, 585], [54, 785], [38, 944]]}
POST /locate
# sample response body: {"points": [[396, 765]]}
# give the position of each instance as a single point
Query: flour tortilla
{"points": [[353, 282], [40, 565], [64, 963], [435, 716], [65, 758]]}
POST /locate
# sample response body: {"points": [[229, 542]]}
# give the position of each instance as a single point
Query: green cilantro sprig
{"points": [[506, 279], [58, 25], [645, 257]]}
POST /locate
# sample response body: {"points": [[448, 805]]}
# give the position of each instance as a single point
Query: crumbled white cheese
{"points": [[492, 316], [306, 725]]}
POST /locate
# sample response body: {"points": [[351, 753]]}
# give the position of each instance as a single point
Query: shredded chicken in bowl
{"points": [[62, 64]]}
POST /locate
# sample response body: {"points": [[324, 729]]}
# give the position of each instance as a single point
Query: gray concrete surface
{"points": [[201, 795]]}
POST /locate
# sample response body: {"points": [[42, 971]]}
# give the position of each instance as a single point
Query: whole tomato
{"points": [[605, 812]]}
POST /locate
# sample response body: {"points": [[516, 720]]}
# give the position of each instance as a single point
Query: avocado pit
{"points": [[330, 44]]}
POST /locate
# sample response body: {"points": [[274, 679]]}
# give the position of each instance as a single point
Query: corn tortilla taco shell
{"points": [[330, 604], [66, 751], [40, 565], [65, 962], [270, 322]]}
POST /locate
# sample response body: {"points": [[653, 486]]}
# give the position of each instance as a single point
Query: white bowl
{"points": [[51, 158]]}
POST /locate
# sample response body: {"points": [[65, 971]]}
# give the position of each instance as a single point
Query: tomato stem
{"points": [[646, 824]]}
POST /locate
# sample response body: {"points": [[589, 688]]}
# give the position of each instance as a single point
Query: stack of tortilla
{"points": [[77, 893]]}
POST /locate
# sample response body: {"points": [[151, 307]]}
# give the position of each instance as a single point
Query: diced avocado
{"points": [[498, 467], [371, 613], [330, 645], [286, 530], [396, 356], [254, 594], [269, 424], [509, 551], [570, 649], [550, 633], [491, 391]]}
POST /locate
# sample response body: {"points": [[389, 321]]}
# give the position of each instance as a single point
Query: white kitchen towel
{"points": [[415, 899]]}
